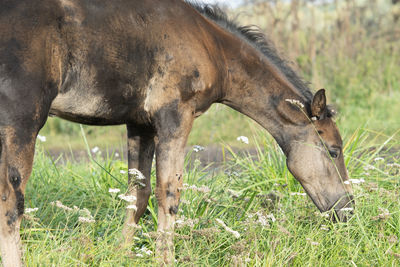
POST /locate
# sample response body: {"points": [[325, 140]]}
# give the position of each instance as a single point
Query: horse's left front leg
{"points": [[172, 134], [140, 157]]}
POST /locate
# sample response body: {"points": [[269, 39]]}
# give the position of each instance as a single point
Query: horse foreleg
{"points": [[17, 150], [140, 157], [170, 152]]}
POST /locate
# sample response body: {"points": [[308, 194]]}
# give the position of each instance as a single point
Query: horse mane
{"points": [[253, 35]]}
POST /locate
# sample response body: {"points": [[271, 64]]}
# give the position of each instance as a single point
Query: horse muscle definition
{"points": [[155, 66]]}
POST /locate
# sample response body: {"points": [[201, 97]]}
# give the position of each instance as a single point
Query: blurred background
{"points": [[351, 48]]}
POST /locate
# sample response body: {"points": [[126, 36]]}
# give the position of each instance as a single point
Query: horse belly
{"points": [[82, 98], [79, 107]]}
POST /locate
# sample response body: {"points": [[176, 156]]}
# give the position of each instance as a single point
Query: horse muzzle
{"points": [[343, 209]]}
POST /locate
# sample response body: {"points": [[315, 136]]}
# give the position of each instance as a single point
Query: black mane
{"points": [[255, 37]]}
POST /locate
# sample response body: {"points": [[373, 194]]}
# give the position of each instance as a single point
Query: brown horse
{"points": [[155, 66]]}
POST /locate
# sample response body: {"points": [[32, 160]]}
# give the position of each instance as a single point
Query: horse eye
{"points": [[334, 154], [320, 132]]}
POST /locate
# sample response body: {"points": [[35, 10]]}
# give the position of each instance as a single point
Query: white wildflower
{"points": [[127, 198], [298, 194], [132, 207], [30, 210], [139, 255], [202, 189], [369, 167], [182, 222], [234, 173], [116, 154], [346, 209], [41, 138], [164, 233], [197, 148], [262, 220], [243, 139], [113, 190], [233, 193], [122, 171], [185, 202], [86, 220], [379, 159], [178, 222], [312, 242], [137, 174], [146, 251], [234, 233], [383, 215], [324, 215], [60, 205], [86, 212], [391, 165], [323, 227], [95, 149], [272, 217], [135, 226], [357, 181], [295, 102]]}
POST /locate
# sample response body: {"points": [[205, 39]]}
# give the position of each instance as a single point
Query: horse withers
{"points": [[155, 66]]}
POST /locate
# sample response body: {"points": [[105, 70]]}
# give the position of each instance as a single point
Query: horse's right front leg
{"points": [[16, 157], [172, 133]]}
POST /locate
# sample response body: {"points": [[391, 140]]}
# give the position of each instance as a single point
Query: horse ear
{"points": [[318, 104]]}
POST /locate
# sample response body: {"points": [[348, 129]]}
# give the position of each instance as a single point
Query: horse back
{"points": [[108, 62]]}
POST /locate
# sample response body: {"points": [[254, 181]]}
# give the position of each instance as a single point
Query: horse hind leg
{"points": [[140, 157]]}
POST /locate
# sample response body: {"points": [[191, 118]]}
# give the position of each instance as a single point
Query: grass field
{"points": [[355, 55], [276, 223]]}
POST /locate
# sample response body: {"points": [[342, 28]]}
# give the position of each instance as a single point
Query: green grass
{"points": [[300, 236]]}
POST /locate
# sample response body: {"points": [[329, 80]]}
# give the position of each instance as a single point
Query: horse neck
{"points": [[258, 89]]}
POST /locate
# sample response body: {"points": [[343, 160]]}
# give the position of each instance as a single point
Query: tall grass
{"points": [[253, 195]]}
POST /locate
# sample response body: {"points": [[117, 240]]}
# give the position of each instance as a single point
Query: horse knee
{"points": [[143, 198], [12, 198], [146, 192]]}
